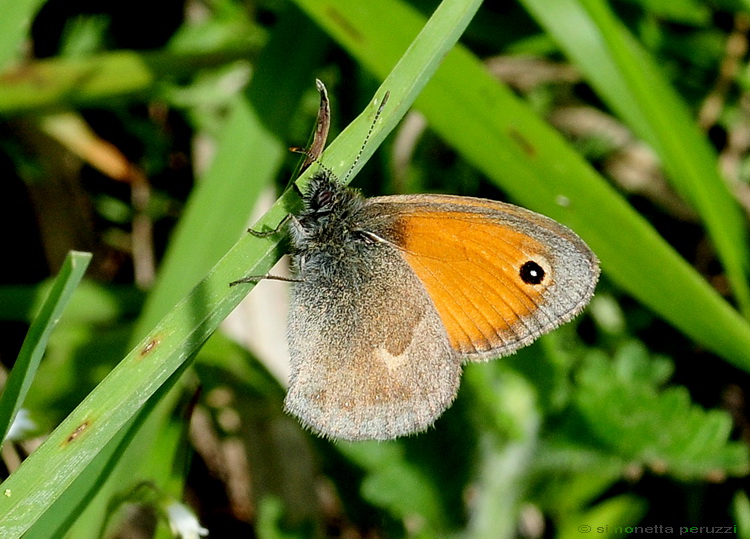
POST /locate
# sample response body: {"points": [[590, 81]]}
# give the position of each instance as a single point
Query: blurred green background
{"points": [[153, 134]]}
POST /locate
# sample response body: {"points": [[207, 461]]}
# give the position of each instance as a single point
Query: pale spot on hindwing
{"points": [[391, 362]]}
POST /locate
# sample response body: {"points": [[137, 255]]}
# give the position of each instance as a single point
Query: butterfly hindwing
{"points": [[368, 359]]}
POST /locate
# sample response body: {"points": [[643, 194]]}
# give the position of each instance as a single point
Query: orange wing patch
{"points": [[470, 265]]}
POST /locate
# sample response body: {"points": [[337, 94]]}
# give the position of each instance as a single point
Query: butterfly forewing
{"points": [[499, 275]]}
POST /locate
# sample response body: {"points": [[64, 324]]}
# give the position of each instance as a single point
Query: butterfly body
{"points": [[394, 293]]}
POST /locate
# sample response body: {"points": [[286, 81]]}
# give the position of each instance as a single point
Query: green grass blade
{"points": [[628, 80], [501, 136], [92, 303], [53, 467], [14, 26], [35, 343], [88, 486], [48, 85]]}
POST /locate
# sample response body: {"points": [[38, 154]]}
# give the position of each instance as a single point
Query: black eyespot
{"points": [[531, 273]]}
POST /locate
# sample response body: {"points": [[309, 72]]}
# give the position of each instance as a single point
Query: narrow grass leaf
{"points": [[49, 85], [35, 344], [14, 26]]}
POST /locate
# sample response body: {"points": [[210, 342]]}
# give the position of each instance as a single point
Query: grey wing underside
{"points": [[370, 358]]}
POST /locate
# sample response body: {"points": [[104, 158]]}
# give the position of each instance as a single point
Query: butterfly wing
{"points": [[370, 358], [499, 275]]}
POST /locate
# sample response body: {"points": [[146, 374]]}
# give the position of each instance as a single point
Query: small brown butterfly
{"points": [[392, 294]]}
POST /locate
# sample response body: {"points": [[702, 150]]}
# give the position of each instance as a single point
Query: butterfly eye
{"points": [[322, 198], [531, 273], [364, 236]]}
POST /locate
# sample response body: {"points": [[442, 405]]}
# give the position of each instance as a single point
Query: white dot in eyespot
{"points": [[531, 273]]}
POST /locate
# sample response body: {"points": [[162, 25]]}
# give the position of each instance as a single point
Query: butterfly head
{"points": [[328, 221]]}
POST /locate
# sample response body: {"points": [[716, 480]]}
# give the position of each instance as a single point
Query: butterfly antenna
{"points": [[367, 137], [313, 159]]}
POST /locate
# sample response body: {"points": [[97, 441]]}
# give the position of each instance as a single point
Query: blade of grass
{"points": [[629, 81], [92, 303], [72, 446], [87, 486], [48, 85], [35, 343], [14, 26], [499, 134]]}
